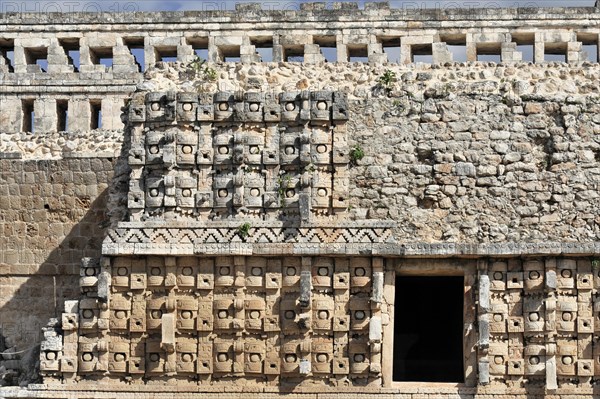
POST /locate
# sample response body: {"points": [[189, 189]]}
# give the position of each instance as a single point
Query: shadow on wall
{"points": [[53, 213], [33, 291]]}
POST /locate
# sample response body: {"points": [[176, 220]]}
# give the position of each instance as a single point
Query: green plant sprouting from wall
{"points": [[244, 230], [387, 80], [197, 69], [356, 154], [210, 74]]}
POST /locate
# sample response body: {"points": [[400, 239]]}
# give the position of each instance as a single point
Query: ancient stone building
{"points": [[340, 203]]}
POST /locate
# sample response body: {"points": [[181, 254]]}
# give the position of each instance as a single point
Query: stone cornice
{"points": [[310, 12]]}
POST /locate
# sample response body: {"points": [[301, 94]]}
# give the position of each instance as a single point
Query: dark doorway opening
{"points": [[428, 325]]}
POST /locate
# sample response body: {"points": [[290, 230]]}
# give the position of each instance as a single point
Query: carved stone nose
{"points": [[167, 336]]}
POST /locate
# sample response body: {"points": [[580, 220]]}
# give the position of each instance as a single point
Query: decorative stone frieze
{"points": [[214, 179], [238, 155], [207, 319]]}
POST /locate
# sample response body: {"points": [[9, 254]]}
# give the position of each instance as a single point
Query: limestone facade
{"points": [[255, 215]]}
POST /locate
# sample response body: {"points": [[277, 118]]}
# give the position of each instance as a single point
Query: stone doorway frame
{"points": [[433, 267]]}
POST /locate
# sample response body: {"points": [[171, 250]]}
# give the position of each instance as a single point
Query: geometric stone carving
{"points": [[541, 328], [228, 155], [183, 326]]}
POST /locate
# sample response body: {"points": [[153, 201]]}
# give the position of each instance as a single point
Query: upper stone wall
{"points": [[345, 28], [474, 152], [114, 49], [466, 153]]}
